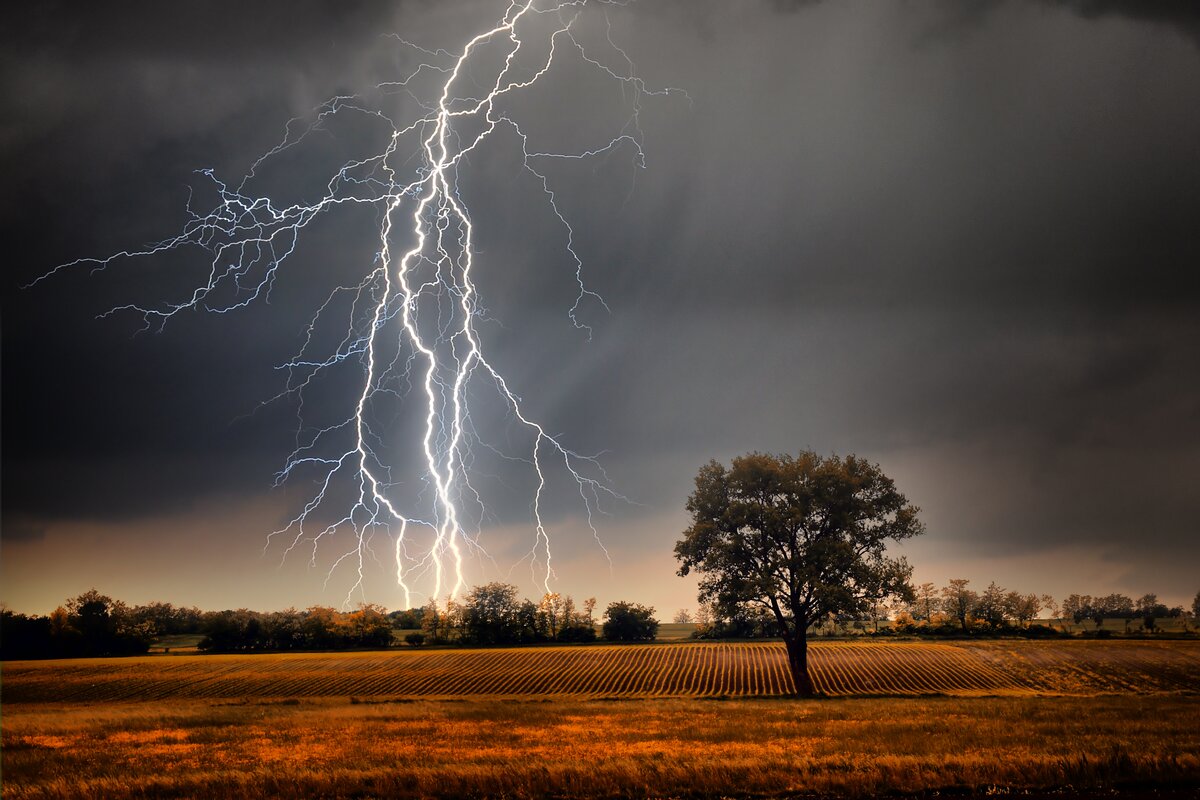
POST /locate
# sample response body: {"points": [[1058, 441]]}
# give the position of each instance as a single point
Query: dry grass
{"points": [[592, 749], [606, 721]]}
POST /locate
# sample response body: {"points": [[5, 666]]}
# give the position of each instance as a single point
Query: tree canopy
{"points": [[800, 536], [629, 622]]}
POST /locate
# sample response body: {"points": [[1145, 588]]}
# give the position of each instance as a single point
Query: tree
{"points": [[433, 627], [407, 620], [991, 605], [1113, 605], [371, 625], [1077, 607], [91, 615], [1117, 605], [1150, 610], [704, 621], [1196, 606], [682, 617], [549, 613], [926, 601], [629, 622], [743, 621], [959, 602], [800, 537], [1023, 608], [105, 627], [490, 614], [1048, 604]]}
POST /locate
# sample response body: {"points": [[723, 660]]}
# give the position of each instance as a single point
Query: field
{"points": [[1002, 667], [661, 720]]}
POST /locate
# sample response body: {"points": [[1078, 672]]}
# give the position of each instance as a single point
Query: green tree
{"points": [[629, 622], [801, 537], [490, 614]]}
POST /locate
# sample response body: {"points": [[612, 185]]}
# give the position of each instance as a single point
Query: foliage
{"points": [[91, 624], [802, 537], [491, 615], [1150, 611], [577, 631], [316, 628], [407, 620], [959, 602], [925, 602], [629, 622], [745, 621]]}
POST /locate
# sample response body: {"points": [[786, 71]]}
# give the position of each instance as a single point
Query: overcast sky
{"points": [[957, 238]]}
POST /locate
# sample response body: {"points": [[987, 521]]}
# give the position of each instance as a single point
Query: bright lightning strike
{"points": [[412, 327]]}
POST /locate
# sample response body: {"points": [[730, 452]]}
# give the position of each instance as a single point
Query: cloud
{"points": [[974, 260], [21, 531], [1181, 14], [958, 17]]}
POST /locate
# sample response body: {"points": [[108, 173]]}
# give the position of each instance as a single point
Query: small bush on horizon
{"points": [[629, 622]]}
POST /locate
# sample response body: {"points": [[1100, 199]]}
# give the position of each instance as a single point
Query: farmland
{"points": [[664, 720], [999, 667]]}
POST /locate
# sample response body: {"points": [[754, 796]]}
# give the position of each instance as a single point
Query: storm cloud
{"points": [[956, 238]]}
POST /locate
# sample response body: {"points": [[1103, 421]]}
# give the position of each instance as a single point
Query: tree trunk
{"points": [[797, 651]]}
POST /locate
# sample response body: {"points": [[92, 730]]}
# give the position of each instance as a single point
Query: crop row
{"points": [[685, 670]]}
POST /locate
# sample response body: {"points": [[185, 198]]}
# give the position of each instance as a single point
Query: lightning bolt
{"points": [[413, 317]]}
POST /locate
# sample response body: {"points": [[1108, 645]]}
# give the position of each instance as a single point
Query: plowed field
{"points": [[666, 670]]}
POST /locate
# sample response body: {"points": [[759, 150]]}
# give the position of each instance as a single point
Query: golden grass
{"points": [[592, 749], [606, 721]]}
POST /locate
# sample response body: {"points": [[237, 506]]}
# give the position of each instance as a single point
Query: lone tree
{"points": [[800, 536]]}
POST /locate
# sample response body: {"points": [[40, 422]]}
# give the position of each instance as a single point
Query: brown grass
{"points": [[592, 749], [606, 721]]}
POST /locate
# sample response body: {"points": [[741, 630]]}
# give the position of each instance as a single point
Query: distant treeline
{"points": [[955, 610], [93, 624]]}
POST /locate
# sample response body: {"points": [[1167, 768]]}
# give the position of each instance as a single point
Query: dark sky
{"points": [[957, 238]]}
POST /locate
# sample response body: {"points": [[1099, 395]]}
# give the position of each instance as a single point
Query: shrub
{"points": [[577, 632], [629, 622]]}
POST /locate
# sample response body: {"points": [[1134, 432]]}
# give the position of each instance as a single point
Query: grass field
{"points": [[668, 720], [575, 748]]}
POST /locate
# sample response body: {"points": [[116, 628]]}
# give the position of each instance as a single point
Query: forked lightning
{"points": [[413, 316]]}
